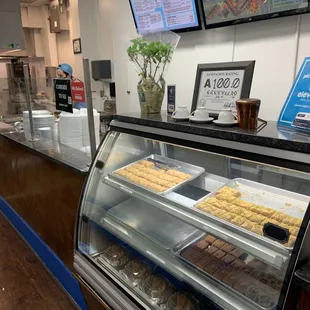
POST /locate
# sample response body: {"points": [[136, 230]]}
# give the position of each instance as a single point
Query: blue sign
{"points": [[296, 110]]}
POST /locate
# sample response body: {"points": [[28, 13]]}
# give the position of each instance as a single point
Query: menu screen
{"points": [[161, 15], [217, 11]]}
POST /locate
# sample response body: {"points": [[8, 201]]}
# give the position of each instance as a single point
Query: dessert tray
{"points": [[158, 174]]}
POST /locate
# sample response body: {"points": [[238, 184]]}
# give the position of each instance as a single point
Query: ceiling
{"points": [[33, 2]]}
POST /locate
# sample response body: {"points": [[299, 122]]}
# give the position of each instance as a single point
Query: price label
{"points": [[220, 89], [63, 95]]}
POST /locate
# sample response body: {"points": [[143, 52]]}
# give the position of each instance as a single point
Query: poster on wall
{"points": [[220, 85], [63, 95], [296, 110]]}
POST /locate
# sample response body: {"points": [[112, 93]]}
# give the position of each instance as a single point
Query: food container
{"points": [[248, 110], [158, 289], [182, 301], [116, 256], [136, 272]]}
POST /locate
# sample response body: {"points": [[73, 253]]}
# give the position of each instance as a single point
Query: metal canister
{"points": [[248, 110]]}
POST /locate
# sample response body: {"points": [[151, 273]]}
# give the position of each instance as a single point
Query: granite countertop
{"points": [[60, 153], [271, 135]]}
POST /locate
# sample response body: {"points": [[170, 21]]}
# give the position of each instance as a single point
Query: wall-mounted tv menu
{"points": [[219, 13], [161, 15]]}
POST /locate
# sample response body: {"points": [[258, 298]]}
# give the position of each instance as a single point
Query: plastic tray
{"points": [[192, 170]]}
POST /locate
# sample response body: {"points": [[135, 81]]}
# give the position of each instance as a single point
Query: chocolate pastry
{"points": [[228, 248], [219, 254], [201, 245], [194, 257], [137, 271], [180, 301], [237, 253], [188, 252], [211, 250], [242, 284], [227, 259], [157, 288], [213, 266], [204, 261], [232, 277], [237, 264], [116, 256], [222, 272]]}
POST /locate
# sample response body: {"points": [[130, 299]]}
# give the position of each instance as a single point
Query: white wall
{"points": [[278, 46], [65, 38]]}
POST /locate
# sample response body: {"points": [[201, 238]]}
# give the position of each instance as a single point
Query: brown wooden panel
{"points": [[44, 193]]}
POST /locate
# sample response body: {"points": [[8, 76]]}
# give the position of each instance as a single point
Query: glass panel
{"points": [[224, 226]]}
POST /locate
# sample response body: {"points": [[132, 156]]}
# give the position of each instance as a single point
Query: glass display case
{"points": [[168, 223]]}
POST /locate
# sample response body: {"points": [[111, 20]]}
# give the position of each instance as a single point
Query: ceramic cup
{"points": [[226, 116], [181, 112], [201, 114]]}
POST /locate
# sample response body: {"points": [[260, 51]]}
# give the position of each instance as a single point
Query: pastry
{"points": [[116, 256], [157, 288], [137, 271], [227, 248], [219, 254], [247, 214], [227, 259], [213, 266], [180, 301], [268, 220], [218, 203], [290, 242], [259, 296], [204, 261], [242, 284], [225, 197], [266, 211], [294, 231], [212, 201], [257, 229], [237, 210], [211, 250], [296, 222], [219, 243], [210, 239], [188, 252], [229, 190], [201, 245], [222, 272], [257, 218], [218, 213], [226, 206], [247, 225], [279, 216], [194, 257], [238, 220], [146, 163], [237, 253], [243, 204], [228, 216], [237, 263]]}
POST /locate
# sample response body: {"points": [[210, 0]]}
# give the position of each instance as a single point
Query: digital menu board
{"points": [[161, 15], [218, 12]]}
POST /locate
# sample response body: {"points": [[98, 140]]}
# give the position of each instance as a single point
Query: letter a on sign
{"points": [[78, 91]]}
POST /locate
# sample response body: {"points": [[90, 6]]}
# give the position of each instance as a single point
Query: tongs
{"points": [[163, 165]]}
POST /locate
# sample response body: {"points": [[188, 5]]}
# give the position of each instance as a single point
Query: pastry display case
{"points": [[191, 223]]}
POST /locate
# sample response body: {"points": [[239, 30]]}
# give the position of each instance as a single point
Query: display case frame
{"points": [[261, 154]]}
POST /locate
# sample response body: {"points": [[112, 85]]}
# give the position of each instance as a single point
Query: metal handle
{"points": [[90, 111]]}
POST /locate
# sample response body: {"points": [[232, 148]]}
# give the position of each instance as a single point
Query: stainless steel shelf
{"points": [[176, 267], [266, 250]]}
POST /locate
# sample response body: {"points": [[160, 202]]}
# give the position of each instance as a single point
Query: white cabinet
{"points": [[32, 17]]}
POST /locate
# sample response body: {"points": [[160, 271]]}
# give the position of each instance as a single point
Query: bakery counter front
{"points": [[173, 216]]}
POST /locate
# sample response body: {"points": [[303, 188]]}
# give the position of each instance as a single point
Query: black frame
{"points": [[181, 30], [252, 18], [80, 42], [247, 66]]}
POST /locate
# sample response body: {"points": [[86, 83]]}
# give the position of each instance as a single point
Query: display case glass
{"points": [[179, 227]]}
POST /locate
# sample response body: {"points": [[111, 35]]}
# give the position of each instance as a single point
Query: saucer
{"points": [[185, 119], [225, 124], [201, 121]]}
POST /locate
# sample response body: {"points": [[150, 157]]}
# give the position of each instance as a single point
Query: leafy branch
{"points": [[147, 55]]}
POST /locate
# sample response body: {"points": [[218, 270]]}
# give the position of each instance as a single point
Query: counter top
{"points": [[271, 135], [302, 276], [73, 158]]}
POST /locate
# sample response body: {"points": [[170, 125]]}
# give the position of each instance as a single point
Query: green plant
{"points": [[151, 58]]}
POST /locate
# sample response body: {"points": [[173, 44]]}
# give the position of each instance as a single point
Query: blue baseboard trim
{"points": [[50, 259]]}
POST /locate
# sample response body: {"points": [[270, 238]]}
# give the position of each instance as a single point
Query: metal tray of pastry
{"points": [[179, 248], [194, 171], [144, 219], [284, 201]]}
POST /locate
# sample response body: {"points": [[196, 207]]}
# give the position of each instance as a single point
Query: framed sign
{"points": [[219, 85], [63, 95], [77, 46]]}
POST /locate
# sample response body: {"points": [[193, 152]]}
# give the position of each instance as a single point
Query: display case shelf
{"points": [[182, 271], [264, 249]]}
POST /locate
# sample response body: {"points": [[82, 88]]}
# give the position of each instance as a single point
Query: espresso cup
{"points": [[181, 112], [201, 114], [226, 116]]}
